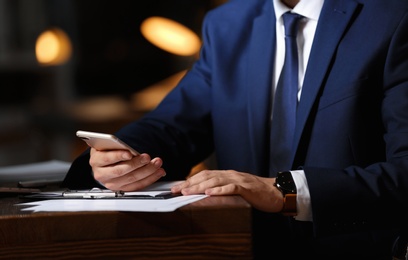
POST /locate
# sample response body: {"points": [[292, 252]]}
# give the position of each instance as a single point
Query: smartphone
{"points": [[102, 141]]}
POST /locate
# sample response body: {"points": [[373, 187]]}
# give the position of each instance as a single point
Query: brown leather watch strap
{"points": [[289, 205]]}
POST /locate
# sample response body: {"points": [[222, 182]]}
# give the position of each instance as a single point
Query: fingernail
{"points": [[157, 163], [161, 172], [144, 160]]}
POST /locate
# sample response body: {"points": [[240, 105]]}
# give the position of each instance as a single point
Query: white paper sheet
{"points": [[134, 205]]}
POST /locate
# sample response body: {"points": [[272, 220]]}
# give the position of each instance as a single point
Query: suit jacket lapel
{"points": [[260, 64], [333, 21], [336, 15]]}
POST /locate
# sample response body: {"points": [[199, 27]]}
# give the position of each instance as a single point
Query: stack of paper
{"points": [[152, 199], [46, 172], [135, 205]]}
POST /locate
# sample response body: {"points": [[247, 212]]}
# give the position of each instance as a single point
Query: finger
{"points": [[142, 172], [214, 182], [137, 178], [104, 158], [193, 180], [228, 189], [201, 181], [114, 170], [145, 182], [178, 187]]}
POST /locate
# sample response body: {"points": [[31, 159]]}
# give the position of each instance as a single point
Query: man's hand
{"points": [[258, 191], [120, 170]]}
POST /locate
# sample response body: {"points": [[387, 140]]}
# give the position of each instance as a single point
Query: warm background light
{"points": [[170, 36], [148, 98], [53, 47]]}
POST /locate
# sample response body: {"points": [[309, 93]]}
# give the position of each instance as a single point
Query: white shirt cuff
{"points": [[304, 210]]}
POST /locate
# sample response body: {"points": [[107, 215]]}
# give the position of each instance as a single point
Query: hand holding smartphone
{"points": [[102, 141]]}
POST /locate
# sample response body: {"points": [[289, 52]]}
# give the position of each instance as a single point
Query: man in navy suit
{"points": [[349, 161]]}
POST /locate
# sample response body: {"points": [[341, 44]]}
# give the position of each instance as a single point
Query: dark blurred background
{"points": [[113, 75]]}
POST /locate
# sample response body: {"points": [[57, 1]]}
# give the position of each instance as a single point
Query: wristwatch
{"points": [[284, 182]]}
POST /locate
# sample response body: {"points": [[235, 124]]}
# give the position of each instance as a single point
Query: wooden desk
{"points": [[212, 228]]}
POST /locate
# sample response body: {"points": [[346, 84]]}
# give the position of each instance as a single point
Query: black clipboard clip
{"points": [[94, 193], [97, 193]]}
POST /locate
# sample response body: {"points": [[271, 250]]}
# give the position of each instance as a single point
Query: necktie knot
{"points": [[291, 23]]}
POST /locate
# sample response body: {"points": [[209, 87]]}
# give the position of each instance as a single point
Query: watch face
{"points": [[285, 182]]}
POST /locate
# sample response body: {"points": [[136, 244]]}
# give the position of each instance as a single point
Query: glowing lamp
{"points": [[170, 36], [53, 47]]}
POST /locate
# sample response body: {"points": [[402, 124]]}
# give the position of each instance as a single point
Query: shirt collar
{"points": [[310, 9]]}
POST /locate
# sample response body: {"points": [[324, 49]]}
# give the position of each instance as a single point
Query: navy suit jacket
{"points": [[351, 134]]}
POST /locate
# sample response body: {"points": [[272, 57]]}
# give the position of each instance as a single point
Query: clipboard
{"points": [[97, 193]]}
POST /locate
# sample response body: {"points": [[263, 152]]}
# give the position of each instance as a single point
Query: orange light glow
{"points": [[170, 36], [53, 47]]}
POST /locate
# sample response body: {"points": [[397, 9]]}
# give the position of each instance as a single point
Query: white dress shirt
{"points": [[310, 10]]}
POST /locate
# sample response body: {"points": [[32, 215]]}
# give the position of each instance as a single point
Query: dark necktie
{"points": [[285, 101]]}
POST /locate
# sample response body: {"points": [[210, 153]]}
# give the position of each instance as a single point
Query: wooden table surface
{"points": [[212, 228]]}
